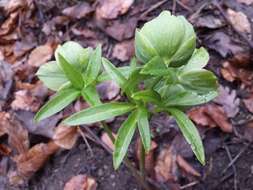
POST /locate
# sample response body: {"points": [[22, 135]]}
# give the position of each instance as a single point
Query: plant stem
{"points": [[126, 161], [142, 162]]}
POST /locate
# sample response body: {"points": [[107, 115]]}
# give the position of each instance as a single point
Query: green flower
{"points": [[172, 38]]}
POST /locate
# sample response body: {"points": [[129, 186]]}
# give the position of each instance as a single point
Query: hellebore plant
{"points": [[167, 76]]}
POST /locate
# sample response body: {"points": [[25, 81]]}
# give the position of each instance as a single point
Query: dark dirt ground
{"points": [[79, 160]]}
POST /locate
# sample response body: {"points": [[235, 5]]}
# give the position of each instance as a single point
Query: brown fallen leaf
{"points": [[6, 80], [30, 99], [111, 9], [41, 55], [149, 157], [229, 101], [211, 115], [9, 25], [108, 90], [5, 150], [248, 131], [239, 20], [85, 32], [13, 5], [106, 139], [81, 182], [78, 11], [183, 164], [17, 134], [166, 168], [208, 21], [65, 136], [248, 102], [31, 161], [123, 51]]}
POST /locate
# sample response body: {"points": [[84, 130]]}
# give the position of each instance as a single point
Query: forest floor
{"points": [[30, 30]]}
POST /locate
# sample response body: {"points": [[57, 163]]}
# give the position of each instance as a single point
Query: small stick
{"points": [[189, 185], [233, 166], [184, 6], [152, 8], [236, 158], [85, 140], [174, 6]]}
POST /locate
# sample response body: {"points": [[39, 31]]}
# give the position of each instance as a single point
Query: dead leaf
{"points": [[149, 157], [221, 43], [208, 21], [65, 136], [6, 80], [166, 168], [249, 103], [183, 164], [247, 2], [211, 115], [41, 55], [30, 99], [9, 25], [108, 90], [111, 9], [31, 161], [13, 5], [123, 51], [106, 139], [239, 20], [229, 101], [78, 11], [85, 32], [44, 128], [17, 134], [5, 150], [248, 131], [81, 182]]}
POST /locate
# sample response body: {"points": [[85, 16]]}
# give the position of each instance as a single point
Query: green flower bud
{"points": [[170, 37]]}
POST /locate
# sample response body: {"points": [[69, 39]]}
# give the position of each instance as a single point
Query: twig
{"points": [[236, 158], [152, 8], [85, 140], [184, 6], [242, 35], [197, 12], [233, 166], [174, 6], [189, 185], [126, 162]]}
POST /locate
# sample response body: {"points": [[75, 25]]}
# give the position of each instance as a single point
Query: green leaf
{"points": [[199, 80], [198, 60], [189, 98], [125, 71], [143, 126], [155, 67], [91, 96], [147, 96], [190, 133], [124, 137], [52, 76], [62, 99], [74, 54], [98, 113], [71, 73], [94, 65], [114, 73]]}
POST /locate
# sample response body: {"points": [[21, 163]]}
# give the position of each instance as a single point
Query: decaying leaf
{"points": [[9, 25], [111, 9], [229, 101], [41, 55], [249, 103], [239, 21], [247, 2], [17, 134], [123, 51], [108, 90], [65, 136], [211, 115], [30, 99], [81, 182], [183, 164], [6, 80], [166, 168], [5, 150], [78, 11], [106, 139], [31, 161]]}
